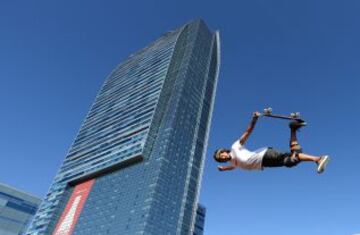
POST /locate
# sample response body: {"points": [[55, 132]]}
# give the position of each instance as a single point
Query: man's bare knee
{"points": [[296, 148]]}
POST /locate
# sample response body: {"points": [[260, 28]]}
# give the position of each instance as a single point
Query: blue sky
{"points": [[291, 55]]}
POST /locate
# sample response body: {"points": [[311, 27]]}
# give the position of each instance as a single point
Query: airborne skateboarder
{"points": [[240, 156]]}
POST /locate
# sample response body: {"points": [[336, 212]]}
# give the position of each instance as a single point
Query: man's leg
{"points": [[296, 150], [308, 158], [273, 158], [321, 162], [298, 156], [294, 144]]}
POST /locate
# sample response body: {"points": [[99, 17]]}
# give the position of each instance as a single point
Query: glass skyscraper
{"points": [[17, 209], [136, 164]]}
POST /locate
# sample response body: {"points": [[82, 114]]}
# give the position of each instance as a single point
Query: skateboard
{"points": [[293, 116]]}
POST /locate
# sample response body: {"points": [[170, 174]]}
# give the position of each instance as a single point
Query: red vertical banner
{"points": [[73, 208]]}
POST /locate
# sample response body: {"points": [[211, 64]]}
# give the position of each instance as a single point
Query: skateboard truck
{"points": [[293, 116]]}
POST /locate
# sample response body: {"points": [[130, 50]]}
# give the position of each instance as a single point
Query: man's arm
{"points": [[250, 128], [226, 168]]}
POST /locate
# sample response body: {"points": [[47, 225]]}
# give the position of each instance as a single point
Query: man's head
{"points": [[222, 155]]}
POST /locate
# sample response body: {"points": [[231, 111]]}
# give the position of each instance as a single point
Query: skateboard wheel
{"points": [[295, 115], [268, 110]]}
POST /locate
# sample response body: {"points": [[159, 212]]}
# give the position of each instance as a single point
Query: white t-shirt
{"points": [[245, 159]]}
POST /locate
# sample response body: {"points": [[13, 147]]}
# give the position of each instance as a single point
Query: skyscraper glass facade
{"points": [[17, 208], [140, 151]]}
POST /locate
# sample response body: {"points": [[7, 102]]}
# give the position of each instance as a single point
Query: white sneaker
{"points": [[322, 164]]}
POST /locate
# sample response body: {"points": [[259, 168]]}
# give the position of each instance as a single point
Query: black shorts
{"points": [[273, 158]]}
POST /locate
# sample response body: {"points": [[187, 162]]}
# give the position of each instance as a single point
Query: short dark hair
{"points": [[217, 154]]}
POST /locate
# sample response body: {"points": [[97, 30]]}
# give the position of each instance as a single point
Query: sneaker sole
{"points": [[322, 165]]}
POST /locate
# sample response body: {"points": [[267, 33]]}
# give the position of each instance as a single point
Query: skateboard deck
{"points": [[293, 116]]}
